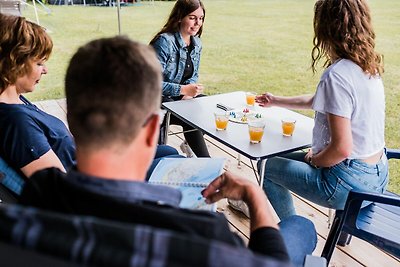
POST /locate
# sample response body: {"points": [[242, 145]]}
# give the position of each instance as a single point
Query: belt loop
{"points": [[378, 169]]}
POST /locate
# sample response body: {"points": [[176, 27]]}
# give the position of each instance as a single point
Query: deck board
{"points": [[358, 253]]}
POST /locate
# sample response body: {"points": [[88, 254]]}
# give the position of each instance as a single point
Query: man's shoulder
{"points": [[38, 186], [48, 173]]}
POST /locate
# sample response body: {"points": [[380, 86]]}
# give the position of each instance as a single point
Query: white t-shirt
{"points": [[346, 91]]}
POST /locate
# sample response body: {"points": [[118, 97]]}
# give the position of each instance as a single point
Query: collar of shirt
{"points": [[128, 191], [193, 41]]}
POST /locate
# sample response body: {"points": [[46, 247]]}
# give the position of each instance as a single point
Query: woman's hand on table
{"points": [[192, 89]]}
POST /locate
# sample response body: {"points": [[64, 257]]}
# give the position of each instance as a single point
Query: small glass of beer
{"points": [[250, 98], [256, 130], [221, 120], [288, 125]]}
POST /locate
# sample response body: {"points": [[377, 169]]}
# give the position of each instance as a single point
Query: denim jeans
{"points": [[300, 238], [162, 151], [327, 187]]}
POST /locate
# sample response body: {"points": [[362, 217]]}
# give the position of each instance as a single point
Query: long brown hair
{"points": [[20, 42], [180, 10], [343, 28]]}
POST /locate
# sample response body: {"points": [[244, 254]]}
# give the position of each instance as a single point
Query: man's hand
{"points": [[229, 185]]}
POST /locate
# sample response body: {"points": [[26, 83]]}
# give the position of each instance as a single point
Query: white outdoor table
{"points": [[199, 113]]}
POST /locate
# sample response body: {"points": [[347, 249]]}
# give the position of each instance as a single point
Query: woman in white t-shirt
{"points": [[348, 136]]}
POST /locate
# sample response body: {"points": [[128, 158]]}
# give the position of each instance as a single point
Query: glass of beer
{"points": [[250, 98], [221, 120], [288, 125], [256, 130]]}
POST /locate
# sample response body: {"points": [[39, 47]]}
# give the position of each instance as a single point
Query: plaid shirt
{"points": [[91, 241]]}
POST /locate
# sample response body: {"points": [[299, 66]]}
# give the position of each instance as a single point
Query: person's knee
{"points": [[300, 237], [304, 228], [165, 150]]}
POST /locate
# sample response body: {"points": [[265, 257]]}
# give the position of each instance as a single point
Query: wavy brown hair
{"points": [[181, 9], [20, 42], [343, 29]]}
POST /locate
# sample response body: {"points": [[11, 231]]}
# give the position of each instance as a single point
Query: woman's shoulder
{"points": [[14, 114], [342, 69], [166, 37], [16, 111]]}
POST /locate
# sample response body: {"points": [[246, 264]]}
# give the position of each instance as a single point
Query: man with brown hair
{"points": [[113, 89]]}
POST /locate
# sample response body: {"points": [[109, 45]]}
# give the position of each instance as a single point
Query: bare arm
{"points": [[229, 185], [293, 102], [340, 146], [49, 159]]}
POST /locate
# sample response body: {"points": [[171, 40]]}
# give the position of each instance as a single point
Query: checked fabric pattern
{"points": [[90, 241]]}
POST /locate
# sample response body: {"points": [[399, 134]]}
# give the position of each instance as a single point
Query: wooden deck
{"points": [[358, 253]]}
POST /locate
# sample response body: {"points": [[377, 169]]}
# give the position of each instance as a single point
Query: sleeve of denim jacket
{"points": [[161, 46]]}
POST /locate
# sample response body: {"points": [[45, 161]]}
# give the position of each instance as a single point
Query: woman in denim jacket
{"points": [[348, 140], [178, 47]]}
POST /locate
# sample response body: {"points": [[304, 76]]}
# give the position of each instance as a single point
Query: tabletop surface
{"points": [[199, 113]]}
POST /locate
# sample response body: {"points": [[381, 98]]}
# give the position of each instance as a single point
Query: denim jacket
{"points": [[172, 53]]}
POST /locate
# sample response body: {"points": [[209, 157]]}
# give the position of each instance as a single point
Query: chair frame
{"points": [[345, 221]]}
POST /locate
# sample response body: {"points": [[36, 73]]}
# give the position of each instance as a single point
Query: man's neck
{"points": [[109, 165]]}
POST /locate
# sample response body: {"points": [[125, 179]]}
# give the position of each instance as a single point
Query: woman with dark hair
{"points": [[348, 139], [30, 139], [178, 47]]}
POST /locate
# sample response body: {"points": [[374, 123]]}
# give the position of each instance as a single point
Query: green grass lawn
{"points": [[257, 45]]}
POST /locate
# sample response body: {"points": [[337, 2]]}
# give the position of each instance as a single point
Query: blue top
{"points": [[27, 133], [172, 53]]}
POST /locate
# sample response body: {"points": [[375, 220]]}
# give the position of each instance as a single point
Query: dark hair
{"points": [[180, 10], [112, 86], [20, 42], [344, 27]]}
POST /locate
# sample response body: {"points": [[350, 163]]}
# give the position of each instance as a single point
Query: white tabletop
{"points": [[199, 113]]}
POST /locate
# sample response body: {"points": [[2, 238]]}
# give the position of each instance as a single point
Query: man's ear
{"points": [[153, 130]]}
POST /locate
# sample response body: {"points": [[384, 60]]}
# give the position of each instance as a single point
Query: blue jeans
{"points": [[327, 187], [300, 238], [162, 152]]}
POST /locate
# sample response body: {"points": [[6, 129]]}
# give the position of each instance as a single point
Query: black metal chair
{"points": [[377, 223]]}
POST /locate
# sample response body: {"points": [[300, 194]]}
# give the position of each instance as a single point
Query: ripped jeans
{"points": [[327, 187]]}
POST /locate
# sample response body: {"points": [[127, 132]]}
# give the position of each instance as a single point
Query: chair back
{"points": [[11, 183], [90, 241], [376, 223]]}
